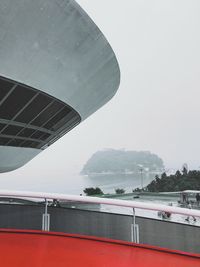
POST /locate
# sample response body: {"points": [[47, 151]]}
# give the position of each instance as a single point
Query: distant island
{"points": [[113, 161]]}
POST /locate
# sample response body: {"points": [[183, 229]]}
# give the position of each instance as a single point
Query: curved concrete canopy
{"points": [[54, 47]]}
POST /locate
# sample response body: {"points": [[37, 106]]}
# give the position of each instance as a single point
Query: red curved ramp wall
{"points": [[35, 248]]}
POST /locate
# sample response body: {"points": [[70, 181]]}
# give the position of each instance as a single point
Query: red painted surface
{"points": [[39, 249]]}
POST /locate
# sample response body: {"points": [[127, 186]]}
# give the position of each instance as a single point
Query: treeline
{"points": [[121, 161], [185, 180], [91, 191]]}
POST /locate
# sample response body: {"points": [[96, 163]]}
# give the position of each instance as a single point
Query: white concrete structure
{"points": [[56, 69]]}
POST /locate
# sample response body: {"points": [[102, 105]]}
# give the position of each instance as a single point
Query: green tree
{"points": [[90, 191], [184, 171], [119, 191], [177, 182]]}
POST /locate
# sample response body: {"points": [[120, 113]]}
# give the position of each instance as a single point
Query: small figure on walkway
{"points": [[189, 206], [55, 203], [165, 215]]}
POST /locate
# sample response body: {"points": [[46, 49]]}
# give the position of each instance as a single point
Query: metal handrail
{"points": [[98, 200]]}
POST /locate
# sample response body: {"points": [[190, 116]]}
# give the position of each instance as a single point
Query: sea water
{"points": [[106, 182], [75, 183]]}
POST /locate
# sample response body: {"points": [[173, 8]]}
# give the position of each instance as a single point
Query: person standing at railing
{"points": [[184, 197], [198, 198]]}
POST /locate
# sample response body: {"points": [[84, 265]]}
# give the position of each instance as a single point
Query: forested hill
{"points": [[178, 182], [121, 161]]}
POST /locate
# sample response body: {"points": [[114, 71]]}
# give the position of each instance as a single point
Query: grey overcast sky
{"points": [[157, 44]]}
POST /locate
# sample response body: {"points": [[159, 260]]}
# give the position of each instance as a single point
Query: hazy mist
{"points": [[157, 106]]}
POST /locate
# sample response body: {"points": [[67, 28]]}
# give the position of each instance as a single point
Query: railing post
{"points": [[46, 218], [134, 229]]}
